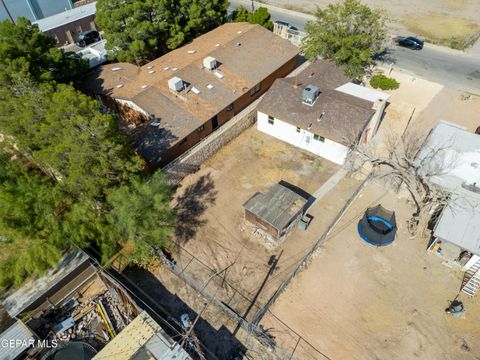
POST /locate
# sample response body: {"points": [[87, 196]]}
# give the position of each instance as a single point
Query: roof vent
{"points": [[144, 86], [195, 90], [116, 68], [209, 86], [238, 43], [218, 74], [210, 62], [149, 67], [151, 71], [239, 32], [310, 94], [217, 45], [322, 114], [119, 86], [166, 68], [175, 84], [192, 51], [175, 69]]}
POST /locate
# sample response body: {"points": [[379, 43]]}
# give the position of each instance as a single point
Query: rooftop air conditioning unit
{"points": [[210, 63], [175, 84], [310, 94]]}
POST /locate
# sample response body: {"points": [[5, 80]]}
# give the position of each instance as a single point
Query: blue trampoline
{"points": [[378, 226]]}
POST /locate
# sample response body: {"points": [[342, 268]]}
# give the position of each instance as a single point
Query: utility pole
{"points": [[8, 12]]}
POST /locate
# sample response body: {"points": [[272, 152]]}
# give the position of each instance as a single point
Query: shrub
{"points": [[383, 82]]}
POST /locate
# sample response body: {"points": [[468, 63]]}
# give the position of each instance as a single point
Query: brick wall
{"points": [[190, 161]]}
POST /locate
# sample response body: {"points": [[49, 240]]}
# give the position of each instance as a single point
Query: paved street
{"points": [[452, 68]]}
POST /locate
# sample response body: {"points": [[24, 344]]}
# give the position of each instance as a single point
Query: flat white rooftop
{"points": [[363, 92], [66, 17], [453, 155]]}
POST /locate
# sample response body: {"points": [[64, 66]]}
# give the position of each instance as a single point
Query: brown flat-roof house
{"points": [[173, 102], [276, 212]]}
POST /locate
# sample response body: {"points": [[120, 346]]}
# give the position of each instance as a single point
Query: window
{"points": [[230, 107], [270, 120], [255, 89], [201, 128], [319, 138], [298, 129]]}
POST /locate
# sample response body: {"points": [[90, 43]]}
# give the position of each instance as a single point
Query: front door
{"points": [[214, 122]]}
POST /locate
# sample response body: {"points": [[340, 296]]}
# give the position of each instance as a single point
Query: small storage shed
{"points": [[275, 212]]}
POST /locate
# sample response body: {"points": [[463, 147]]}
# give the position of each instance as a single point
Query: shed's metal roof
{"points": [[277, 206], [459, 224], [34, 289], [16, 332]]}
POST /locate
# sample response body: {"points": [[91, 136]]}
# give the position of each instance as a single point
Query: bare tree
{"points": [[407, 162]]}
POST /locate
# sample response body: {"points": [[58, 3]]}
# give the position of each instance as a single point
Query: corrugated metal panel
{"points": [[33, 290], [278, 206], [16, 332], [459, 224]]}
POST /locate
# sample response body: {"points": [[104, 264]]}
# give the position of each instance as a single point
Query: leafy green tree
{"points": [[141, 216], [40, 221], [135, 30], [348, 33], [27, 51], [31, 239], [65, 134], [260, 16], [240, 14], [138, 30], [192, 18]]}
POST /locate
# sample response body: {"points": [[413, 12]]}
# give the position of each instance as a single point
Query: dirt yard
{"points": [[436, 20], [356, 301], [211, 215]]}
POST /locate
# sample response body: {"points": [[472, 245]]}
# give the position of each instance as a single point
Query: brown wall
{"points": [[262, 224], [223, 116], [74, 27]]}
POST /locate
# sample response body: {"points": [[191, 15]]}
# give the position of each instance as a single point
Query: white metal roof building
{"points": [[459, 224], [33, 290], [15, 340], [66, 17], [452, 155]]}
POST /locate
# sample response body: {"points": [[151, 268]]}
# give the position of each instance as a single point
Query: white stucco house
{"points": [[452, 154], [320, 111]]}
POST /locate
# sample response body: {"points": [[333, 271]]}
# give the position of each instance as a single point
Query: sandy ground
{"points": [[360, 302], [430, 102], [462, 13], [252, 162]]}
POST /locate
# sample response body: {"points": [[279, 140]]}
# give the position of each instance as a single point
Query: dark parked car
{"points": [[288, 25], [411, 42], [88, 37]]}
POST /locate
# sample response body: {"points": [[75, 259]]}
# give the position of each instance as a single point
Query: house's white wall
{"points": [[329, 150]]}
